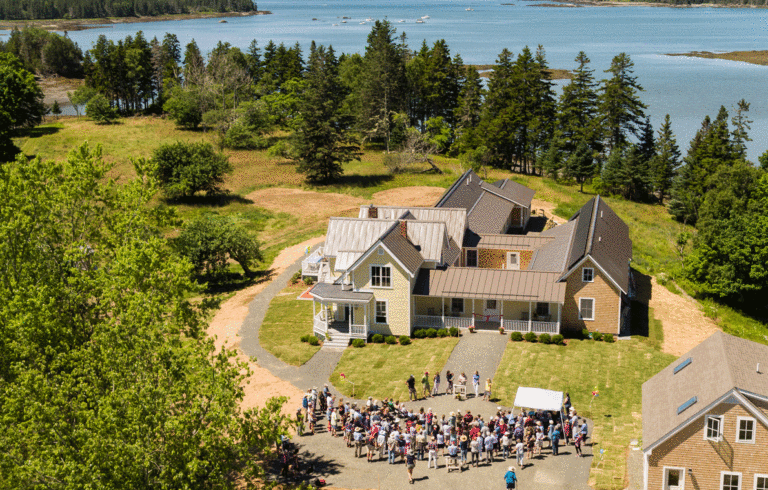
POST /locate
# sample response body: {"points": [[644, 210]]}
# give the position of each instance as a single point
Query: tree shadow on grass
{"points": [[362, 180], [38, 132], [229, 282], [640, 320], [311, 467], [213, 200]]}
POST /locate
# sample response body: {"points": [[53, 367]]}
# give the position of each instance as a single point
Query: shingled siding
{"points": [[398, 297], [606, 306], [497, 259], [689, 449]]}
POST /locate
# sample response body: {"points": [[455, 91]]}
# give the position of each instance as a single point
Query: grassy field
{"points": [[380, 370], [286, 321], [616, 370]]}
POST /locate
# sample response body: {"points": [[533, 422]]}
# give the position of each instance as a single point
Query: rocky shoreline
{"points": [[82, 24], [751, 57], [635, 3]]}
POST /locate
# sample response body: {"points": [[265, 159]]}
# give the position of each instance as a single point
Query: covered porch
{"points": [[340, 312], [487, 314], [487, 299]]}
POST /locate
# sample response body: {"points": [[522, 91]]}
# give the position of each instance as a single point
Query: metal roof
{"points": [[718, 365], [501, 284], [333, 292], [455, 219], [508, 242], [353, 234]]}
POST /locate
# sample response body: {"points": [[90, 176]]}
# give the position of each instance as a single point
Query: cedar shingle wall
{"points": [[607, 300], [497, 259], [689, 449]]}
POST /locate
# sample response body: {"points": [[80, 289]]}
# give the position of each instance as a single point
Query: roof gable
{"points": [[395, 243]]}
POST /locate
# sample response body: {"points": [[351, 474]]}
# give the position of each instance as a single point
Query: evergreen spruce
{"points": [[666, 161], [621, 110]]}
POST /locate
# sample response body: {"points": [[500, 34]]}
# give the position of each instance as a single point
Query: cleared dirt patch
{"points": [[538, 205], [409, 196], [685, 326]]}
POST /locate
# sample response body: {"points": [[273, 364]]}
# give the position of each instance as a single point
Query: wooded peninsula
{"points": [[95, 9]]}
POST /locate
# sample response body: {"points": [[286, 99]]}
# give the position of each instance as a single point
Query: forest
{"points": [[91, 9]]}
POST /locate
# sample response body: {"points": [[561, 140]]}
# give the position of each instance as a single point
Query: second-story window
{"points": [[381, 276], [471, 258]]}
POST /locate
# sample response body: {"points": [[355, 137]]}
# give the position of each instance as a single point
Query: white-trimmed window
{"points": [[513, 261], [381, 312], [674, 478], [587, 274], [471, 258], [745, 429], [381, 276], [586, 309], [457, 305], [713, 428], [730, 480], [761, 481]]}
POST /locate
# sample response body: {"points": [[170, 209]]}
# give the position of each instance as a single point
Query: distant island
{"points": [[72, 10], [656, 3], [753, 57]]}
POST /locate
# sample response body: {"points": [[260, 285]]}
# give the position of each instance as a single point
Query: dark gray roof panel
{"points": [[611, 246], [402, 248], [581, 235], [333, 292], [519, 193], [490, 214]]}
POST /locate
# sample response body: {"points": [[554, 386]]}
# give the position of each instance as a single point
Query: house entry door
{"points": [[491, 309], [342, 313]]}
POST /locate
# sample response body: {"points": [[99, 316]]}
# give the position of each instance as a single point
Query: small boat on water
{"points": [[335, 24], [469, 9], [401, 21], [369, 19], [425, 17], [222, 21], [343, 21], [419, 21], [362, 23]]}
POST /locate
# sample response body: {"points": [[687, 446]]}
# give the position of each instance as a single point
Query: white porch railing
{"points": [[320, 325], [535, 327], [516, 325], [458, 322], [429, 321], [316, 266], [358, 331]]}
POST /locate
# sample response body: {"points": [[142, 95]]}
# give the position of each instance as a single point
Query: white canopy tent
{"points": [[539, 399]]}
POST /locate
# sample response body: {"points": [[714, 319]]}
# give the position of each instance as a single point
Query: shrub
{"points": [[516, 336], [313, 340], [391, 340], [608, 338], [378, 338], [557, 339], [545, 339], [431, 333], [183, 169], [442, 333], [405, 340], [419, 333], [585, 334], [100, 110], [296, 277], [530, 337], [597, 336], [305, 338], [183, 107], [309, 281], [358, 343], [453, 331]]}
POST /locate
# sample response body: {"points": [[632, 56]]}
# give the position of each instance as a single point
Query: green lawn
{"points": [[380, 370], [617, 370], [287, 320]]}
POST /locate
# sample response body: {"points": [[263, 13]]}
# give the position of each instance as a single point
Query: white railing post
{"points": [[559, 309], [501, 317], [473, 312], [442, 307], [530, 317]]}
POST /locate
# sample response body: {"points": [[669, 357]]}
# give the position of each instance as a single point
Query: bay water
{"points": [[686, 88]]}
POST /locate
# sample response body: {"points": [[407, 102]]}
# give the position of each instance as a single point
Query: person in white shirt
{"points": [[520, 448]]}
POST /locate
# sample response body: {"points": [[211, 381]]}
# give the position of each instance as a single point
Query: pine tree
{"points": [[468, 111], [578, 116], [741, 127], [543, 124], [621, 110], [666, 161], [194, 65], [581, 165], [322, 141], [499, 117]]}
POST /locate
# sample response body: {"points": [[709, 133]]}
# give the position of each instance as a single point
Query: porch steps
{"points": [[338, 341]]}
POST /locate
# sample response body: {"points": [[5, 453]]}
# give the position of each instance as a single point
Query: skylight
{"points": [[682, 365], [685, 406]]}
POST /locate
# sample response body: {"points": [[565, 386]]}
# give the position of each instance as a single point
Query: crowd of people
{"points": [[389, 430]]}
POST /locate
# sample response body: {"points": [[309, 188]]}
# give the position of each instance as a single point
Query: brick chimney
{"points": [[373, 212], [404, 228]]}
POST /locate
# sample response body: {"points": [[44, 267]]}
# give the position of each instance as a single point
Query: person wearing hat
{"points": [[432, 449], [510, 478], [358, 438], [410, 464], [464, 447]]}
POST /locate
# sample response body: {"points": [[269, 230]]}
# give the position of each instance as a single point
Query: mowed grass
{"points": [[616, 370], [381, 370], [286, 321]]}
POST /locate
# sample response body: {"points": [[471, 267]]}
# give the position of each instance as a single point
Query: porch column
{"points": [[473, 312], [559, 309], [351, 313], [530, 316], [365, 319], [442, 306], [313, 309], [501, 314]]}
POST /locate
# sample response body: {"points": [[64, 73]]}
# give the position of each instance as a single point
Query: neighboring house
{"points": [[705, 419], [467, 262]]}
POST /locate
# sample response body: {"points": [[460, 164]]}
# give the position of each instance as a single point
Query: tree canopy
{"points": [[183, 169], [21, 100], [90, 9], [108, 379]]}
